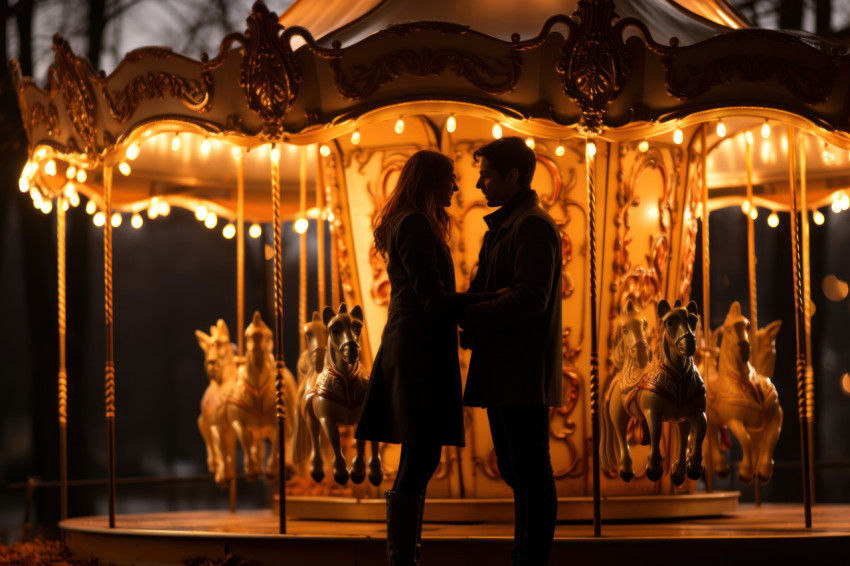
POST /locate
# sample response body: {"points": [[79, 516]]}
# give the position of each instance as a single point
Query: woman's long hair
{"points": [[416, 190]]}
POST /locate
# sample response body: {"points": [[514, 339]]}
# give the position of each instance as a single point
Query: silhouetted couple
{"points": [[510, 318]]}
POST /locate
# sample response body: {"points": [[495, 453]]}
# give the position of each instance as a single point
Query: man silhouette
{"points": [[516, 366]]}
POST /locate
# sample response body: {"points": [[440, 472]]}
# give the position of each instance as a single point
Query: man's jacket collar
{"points": [[518, 203]]}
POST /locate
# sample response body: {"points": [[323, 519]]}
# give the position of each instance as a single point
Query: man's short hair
{"points": [[509, 153]]}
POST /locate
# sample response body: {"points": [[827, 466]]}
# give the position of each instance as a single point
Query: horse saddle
{"points": [[348, 390]]}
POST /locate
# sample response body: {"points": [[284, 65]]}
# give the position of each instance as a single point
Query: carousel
{"points": [[644, 116]]}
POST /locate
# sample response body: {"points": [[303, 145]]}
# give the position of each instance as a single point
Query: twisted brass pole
{"points": [[302, 240], [800, 326], [590, 152], [240, 282], [807, 304], [110, 362], [278, 322], [751, 263], [706, 299], [63, 375], [320, 235]]}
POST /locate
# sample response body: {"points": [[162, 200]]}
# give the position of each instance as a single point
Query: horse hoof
{"points": [[341, 477], [317, 476], [626, 476], [764, 479], [376, 479], [695, 473], [357, 477], [745, 480], [652, 475], [677, 479], [723, 474], [289, 471]]}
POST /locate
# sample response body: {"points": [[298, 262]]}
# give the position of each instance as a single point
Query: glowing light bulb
{"points": [[206, 146], [201, 213], [773, 220], [50, 168], [745, 207], [836, 205], [559, 151], [678, 136], [38, 200], [818, 217], [211, 220], [133, 151], [124, 167], [175, 142], [845, 202], [153, 211], [23, 184], [643, 146], [748, 135], [91, 207], [827, 155], [229, 231], [116, 219], [590, 149], [274, 154], [355, 137], [136, 221], [754, 212], [721, 129], [82, 176], [255, 231], [99, 219], [529, 141], [399, 126], [324, 150], [451, 124], [70, 172], [236, 152], [163, 208], [73, 195], [47, 206], [330, 216], [301, 225], [497, 131], [765, 130], [65, 204]]}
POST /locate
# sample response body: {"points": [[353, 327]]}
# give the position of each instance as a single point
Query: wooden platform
{"points": [[771, 534]]}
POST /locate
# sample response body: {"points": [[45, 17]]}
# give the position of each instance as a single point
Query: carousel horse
{"points": [[251, 405], [631, 355], [220, 367], [338, 397], [310, 365], [743, 399], [670, 389]]}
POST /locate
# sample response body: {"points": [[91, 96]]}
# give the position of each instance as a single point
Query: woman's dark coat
{"points": [[414, 391]]}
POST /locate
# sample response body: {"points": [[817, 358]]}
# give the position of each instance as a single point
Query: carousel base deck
{"points": [[746, 534]]}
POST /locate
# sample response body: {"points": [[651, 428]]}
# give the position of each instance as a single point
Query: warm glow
{"points": [[274, 154], [50, 168], [818, 217], [229, 231], [678, 136], [845, 202], [64, 204], [175, 142], [47, 206], [745, 207], [133, 151], [236, 152], [99, 219], [845, 383], [643, 146], [72, 195], [529, 141], [754, 212], [399, 126], [330, 216], [70, 172], [124, 167], [37, 199], [206, 146], [497, 131], [163, 208], [153, 211], [324, 150], [836, 205], [255, 231], [559, 151], [590, 149], [355, 137], [211, 220], [201, 213], [773, 220], [451, 124], [116, 219], [748, 135], [136, 220], [82, 176], [23, 184], [765, 130], [91, 207], [301, 225], [721, 129], [827, 155]]}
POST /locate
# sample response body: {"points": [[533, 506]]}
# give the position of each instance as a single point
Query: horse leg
{"points": [[219, 449], [715, 447], [745, 470], [698, 425], [653, 461], [358, 464], [332, 432], [317, 464], [273, 463], [244, 437], [772, 427], [376, 474], [677, 473], [208, 444], [620, 423]]}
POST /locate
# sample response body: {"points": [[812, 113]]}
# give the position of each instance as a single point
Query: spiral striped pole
{"points": [[63, 375], [110, 361], [278, 335], [751, 264], [590, 160]]}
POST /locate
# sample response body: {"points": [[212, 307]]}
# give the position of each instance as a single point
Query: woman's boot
{"points": [[403, 527]]}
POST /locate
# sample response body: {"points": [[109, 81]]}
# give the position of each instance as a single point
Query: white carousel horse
{"points": [[220, 366], [670, 389], [744, 399], [310, 365], [251, 404], [631, 355], [338, 397]]}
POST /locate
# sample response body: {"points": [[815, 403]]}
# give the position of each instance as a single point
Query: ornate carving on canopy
{"points": [[73, 73]]}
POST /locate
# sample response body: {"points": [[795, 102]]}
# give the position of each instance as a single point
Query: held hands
{"points": [[467, 338]]}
